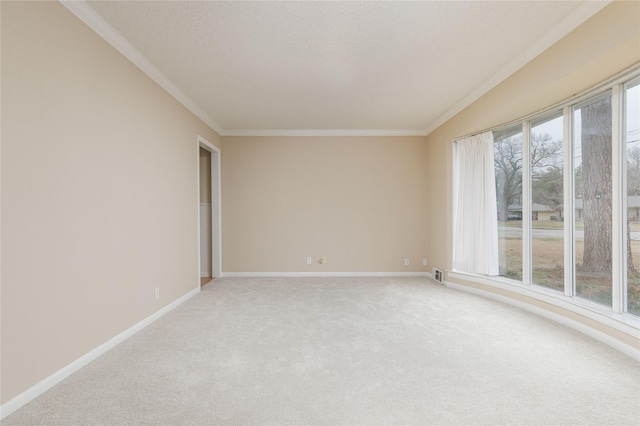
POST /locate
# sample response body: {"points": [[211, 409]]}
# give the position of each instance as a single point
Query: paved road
{"points": [[509, 231]]}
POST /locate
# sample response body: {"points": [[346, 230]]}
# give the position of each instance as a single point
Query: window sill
{"points": [[624, 323]]}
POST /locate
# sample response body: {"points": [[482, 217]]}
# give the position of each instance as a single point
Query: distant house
{"points": [[542, 212], [539, 212], [633, 208]]}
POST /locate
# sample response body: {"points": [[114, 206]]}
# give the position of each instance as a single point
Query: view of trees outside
{"points": [[507, 152], [547, 193], [592, 168], [632, 132], [592, 138]]}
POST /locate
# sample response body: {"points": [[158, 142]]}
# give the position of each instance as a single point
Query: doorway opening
{"points": [[209, 242]]}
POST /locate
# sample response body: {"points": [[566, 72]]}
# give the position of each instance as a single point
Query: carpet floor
{"points": [[346, 351]]}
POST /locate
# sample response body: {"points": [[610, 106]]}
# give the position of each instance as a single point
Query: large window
{"points": [[567, 185], [592, 163], [632, 138], [507, 154], [547, 194]]}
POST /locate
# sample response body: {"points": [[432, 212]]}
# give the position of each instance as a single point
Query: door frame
{"points": [[216, 210]]}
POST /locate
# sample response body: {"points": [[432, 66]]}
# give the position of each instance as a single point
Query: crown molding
{"points": [[327, 132], [583, 12], [97, 23], [91, 18]]}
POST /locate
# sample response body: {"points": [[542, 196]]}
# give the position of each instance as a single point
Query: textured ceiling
{"points": [[394, 66]]}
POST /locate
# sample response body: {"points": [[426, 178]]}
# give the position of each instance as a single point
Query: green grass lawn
{"points": [[548, 272], [537, 224], [554, 224]]}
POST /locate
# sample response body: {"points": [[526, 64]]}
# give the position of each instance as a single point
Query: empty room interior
{"points": [[320, 212]]}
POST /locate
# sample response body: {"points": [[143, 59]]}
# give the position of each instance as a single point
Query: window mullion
{"points": [[526, 203], [619, 201], [569, 204]]}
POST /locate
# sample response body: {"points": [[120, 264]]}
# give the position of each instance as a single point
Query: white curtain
{"points": [[475, 215]]}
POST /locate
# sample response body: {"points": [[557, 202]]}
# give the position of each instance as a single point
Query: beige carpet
{"points": [[337, 351]]}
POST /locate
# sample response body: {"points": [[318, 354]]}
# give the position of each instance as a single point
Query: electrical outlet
{"points": [[323, 259], [424, 261], [406, 261], [309, 260], [157, 292]]}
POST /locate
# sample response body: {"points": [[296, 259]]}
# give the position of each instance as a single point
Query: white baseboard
{"points": [[323, 274], [35, 391], [561, 319]]}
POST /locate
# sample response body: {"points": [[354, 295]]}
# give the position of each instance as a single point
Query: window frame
{"points": [[621, 296], [605, 92], [617, 315], [527, 250]]}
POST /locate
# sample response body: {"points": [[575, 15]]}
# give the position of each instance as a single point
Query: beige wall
{"points": [[205, 176], [357, 200], [604, 45], [99, 193]]}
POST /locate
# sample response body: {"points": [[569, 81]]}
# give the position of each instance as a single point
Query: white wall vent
{"points": [[438, 275]]}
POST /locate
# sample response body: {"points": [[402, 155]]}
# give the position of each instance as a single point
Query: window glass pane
{"points": [[592, 167], [632, 133], [507, 152], [547, 233]]}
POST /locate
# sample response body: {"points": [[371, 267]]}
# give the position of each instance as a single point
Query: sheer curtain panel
{"points": [[475, 227]]}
